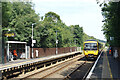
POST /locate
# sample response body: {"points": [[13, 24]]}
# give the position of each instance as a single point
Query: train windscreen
{"points": [[90, 46]]}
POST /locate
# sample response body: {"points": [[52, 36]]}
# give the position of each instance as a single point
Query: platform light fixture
{"points": [[32, 39]]}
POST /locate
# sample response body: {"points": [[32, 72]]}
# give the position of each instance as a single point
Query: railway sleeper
{"points": [[59, 60], [48, 64], [40, 66], [54, 62], [10, 74]]}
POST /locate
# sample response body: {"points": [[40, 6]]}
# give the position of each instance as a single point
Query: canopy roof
{"points": [[16, 42]]}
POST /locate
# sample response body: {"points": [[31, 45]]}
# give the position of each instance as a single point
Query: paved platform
{"points": [[17, 63], [106, 68]]}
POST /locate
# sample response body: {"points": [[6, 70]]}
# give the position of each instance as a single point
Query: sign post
{"points": [[6, 33], [56, 43], [33, 41]]}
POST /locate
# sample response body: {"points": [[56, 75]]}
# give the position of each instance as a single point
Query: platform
{"points": [[17, 63], [106, 68]]}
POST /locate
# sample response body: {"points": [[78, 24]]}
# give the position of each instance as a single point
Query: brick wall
{"points": [[42, 52]]}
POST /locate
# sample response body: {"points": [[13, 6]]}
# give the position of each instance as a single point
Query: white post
{"points": [[32, 40], [56, 43], [56, 49], [26, 51], [8, 52], [36, 53], [29, 52]]}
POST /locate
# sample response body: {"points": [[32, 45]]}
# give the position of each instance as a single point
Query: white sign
{"points": [[56, 41], [36, 53], [111, 38], [34, 41]]}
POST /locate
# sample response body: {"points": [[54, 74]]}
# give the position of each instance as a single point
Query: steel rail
{"points": [[25, 69], [65, 63], [68, 76]]}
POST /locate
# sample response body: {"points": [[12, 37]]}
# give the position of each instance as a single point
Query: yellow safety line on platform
{"points": [[17, 63], [109, 68]]}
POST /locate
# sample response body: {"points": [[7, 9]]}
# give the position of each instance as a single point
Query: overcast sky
{"points": [[86, 13]]}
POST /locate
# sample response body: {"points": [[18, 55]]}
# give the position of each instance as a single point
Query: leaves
{"points": [[111, 13], [49, 28]]}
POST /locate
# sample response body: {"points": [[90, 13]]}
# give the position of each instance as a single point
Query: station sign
{"points": [[111, 38], [34, 41], [9, 34]]}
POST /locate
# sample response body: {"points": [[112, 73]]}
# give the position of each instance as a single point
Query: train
{"points": [[91, 48]]}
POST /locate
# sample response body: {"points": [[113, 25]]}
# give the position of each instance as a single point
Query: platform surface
{"points": [[16, 63], [106, 68]]}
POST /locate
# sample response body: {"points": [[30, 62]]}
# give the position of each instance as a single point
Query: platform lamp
{"points": [[56, 43], [32, 38]]}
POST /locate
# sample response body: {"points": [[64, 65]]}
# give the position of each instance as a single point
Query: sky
{"points": [[85, 13]]}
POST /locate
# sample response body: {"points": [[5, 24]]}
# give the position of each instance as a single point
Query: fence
{"points": [[42, 52]]}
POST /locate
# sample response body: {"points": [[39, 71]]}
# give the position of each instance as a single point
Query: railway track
{"points": [[68, 76], [52, 72], [46, 71], [62, 68], [81, 72]]}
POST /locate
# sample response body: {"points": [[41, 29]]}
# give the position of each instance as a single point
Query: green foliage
{"points": [[19, 18], [53, 28], [107, 45], [77, 34], [111, 14], [6, 13], [52, 17], [87, 37]]}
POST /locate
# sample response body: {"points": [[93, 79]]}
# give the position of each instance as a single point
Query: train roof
{"points": [[91, 40]]}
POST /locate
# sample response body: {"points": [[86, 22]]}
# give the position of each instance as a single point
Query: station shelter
{"points": [[18, 48]]}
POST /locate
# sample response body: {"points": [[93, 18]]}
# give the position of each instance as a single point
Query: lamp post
{"points": [[32, 39], [56, 43]]}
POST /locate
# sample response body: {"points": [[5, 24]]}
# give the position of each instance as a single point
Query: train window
{"points": [[87, 46], [90, 46]]}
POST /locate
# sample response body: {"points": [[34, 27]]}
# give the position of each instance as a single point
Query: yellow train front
{"points": [[91, 48]]}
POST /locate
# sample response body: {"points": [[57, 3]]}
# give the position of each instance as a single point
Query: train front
{"points": [[91, 49]]}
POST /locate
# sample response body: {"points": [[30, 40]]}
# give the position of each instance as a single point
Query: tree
{"points": [[52, 17], [6, 13], [19, 17], [78, 34], [111, 14]]}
